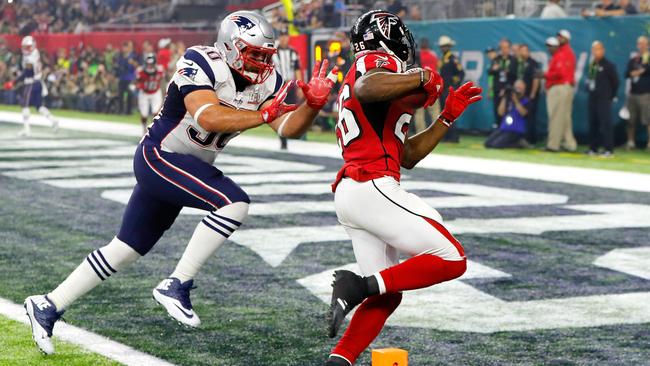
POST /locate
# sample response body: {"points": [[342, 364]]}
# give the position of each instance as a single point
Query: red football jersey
{"points": [[371, 135], [150, 82]]}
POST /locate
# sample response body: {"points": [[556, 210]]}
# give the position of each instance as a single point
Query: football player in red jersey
{"points": [[150, 97], [379, 216]]}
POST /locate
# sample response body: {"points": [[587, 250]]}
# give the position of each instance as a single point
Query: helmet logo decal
{"points": [[384, 22], [242, 22]]}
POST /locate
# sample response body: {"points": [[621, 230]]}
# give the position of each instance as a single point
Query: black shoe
{"points": [[337, 361], [551, 150], [591, 152], [348, 291]]}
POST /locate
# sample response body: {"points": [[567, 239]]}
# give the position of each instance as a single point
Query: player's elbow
{"points": [[364, 92], [408, 164]]}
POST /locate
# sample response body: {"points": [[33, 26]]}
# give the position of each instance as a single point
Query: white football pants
{"points": [[149, 104], [382, 219]]}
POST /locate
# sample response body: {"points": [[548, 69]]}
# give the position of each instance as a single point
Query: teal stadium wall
{"points": [[473, 36]]}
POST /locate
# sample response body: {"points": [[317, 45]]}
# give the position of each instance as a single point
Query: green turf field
{"points": [[632, 161], [17, 348]]}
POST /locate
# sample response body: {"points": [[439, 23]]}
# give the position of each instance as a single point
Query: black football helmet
{"points": [[380, 29]]}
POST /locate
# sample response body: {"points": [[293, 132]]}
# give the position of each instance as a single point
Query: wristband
{"points": [[445, 121], [198, 112]]}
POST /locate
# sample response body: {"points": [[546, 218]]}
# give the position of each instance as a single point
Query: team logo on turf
{"points": [[384, 22]]}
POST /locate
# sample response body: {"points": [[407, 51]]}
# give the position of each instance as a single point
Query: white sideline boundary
{"points": [[627, 181], [88, 340]]}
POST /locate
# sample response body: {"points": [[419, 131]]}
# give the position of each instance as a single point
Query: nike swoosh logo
{"points": [[188, 63], [187, 315]]}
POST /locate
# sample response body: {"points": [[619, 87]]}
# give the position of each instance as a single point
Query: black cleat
{"points": [[337, 361], [347, 293]]}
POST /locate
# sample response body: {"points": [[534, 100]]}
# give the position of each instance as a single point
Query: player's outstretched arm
{"points": [[420, 145], [378, 85], [204, 106], [295, 123]]}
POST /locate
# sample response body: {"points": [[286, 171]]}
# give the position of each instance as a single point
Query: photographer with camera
{"points": [[512, 110], [503, 70]]}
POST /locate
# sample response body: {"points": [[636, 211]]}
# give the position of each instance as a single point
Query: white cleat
{"points": [[42, 315], [174, 296]]}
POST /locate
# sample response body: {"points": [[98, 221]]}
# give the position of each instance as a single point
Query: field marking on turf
{"points": [[626, 181], [274, 245], [459, 306], [88, 340], [633, 261]]}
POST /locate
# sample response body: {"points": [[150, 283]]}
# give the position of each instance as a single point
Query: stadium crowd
{"points": [[57, 16]]}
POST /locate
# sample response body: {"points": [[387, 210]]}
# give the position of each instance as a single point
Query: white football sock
{"points": [[98, 266], [208, 236], [26, 116], [46, 112]]}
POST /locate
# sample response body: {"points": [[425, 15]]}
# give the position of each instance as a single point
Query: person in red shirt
{"points": [[164, 53], [149, 78], [560, 81], [428, 58], [381, 218]]}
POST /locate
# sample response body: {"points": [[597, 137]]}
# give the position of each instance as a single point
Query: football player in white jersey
{"points": [[215, 93], [33, 88]]}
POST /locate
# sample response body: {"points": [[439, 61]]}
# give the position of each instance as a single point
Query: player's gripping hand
{"points": [[432, 86], [278, 107], [318, 89], [458, 100]]}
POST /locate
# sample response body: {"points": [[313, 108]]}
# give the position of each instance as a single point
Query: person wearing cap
{"points": [[427, 58], [528, 70], [560, 80], [452, 74], [504, 73], [602, 84], [638, 101]]}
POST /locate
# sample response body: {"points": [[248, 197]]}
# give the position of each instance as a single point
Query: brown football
{"points": [[413, 100]]}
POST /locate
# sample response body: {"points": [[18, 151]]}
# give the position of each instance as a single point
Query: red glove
{"points": [[433, 87], [278, 107], [317, 91], [458, 100]]}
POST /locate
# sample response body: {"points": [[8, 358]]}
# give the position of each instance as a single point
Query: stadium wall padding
{"points": [[473, 36]]}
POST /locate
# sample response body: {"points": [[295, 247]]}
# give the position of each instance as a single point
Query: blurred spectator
{"points": [[528, 70], [164, 53], [638, 101], [602, 83], [287, 63], [504, 73], [513, 109], [553, 10], [452, 74], [341, 55], [428, 59], [607, 8], [491, 54], [644, 6], [396, 7], [560, 80], [126, 65]]}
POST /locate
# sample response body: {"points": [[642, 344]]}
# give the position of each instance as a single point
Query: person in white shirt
{"points": [[553, 10]]}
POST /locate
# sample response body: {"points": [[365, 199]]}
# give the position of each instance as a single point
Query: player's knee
{"points": [[456, 269], [237, 211]]}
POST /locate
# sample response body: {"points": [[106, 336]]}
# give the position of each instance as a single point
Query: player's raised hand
{"points": [[278, 107], [318, 89], [458, 100]]}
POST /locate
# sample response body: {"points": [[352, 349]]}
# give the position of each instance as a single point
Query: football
{"points": [[413, 100]]}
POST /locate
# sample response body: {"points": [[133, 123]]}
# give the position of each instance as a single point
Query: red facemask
{"points": [[255, 63]]}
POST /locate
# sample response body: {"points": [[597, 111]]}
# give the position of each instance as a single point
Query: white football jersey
{"points": [[33, 58], [202, 67]]}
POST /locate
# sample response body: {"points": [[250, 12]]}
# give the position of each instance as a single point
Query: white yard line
{"points": [[549, 173], [88, 340]]}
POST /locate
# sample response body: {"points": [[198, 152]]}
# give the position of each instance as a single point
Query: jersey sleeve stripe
{"points": [[186, 89], [195, 56]]}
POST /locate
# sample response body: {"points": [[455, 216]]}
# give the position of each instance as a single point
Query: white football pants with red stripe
{"points": [[382, 219]]}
